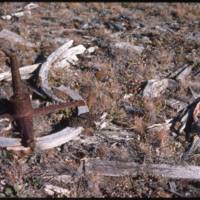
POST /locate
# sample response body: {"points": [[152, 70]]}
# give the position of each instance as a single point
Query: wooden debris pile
{"points": [[61, 58]]}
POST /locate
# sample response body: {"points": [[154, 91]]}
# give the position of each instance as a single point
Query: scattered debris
{"points": [[31, 6], [176, 104], [64, 178], [17, 14], [128, 46], [26, 11], [132, 109], [173, 189], [195, 145], [116, 135], [194, 94], [127, 96], [6, 126], [156, 88], [92, 49], [52, 189], [158, 127], [103, 122], [184, 73]]}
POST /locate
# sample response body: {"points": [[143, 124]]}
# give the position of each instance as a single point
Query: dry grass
{"points": [[104, 79]]}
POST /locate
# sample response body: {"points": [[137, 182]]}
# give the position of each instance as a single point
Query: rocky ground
{"points": [[143, 71]]}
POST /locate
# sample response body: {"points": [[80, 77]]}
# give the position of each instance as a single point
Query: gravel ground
{"points": [[134, 43]]}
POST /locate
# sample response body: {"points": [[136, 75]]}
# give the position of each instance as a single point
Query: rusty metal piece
{"points": [[21, 110], [21, 107], [54, 108]]}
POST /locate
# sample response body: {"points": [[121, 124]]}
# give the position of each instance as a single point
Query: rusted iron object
{"points": [[20, 107]]}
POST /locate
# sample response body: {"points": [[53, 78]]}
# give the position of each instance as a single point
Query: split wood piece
{"points": [[45, 142], [118, 168], [25, 72], [182, 73], [62, 57], [158, 127]]}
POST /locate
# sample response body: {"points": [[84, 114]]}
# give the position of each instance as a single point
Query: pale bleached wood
{"points": [[60, 58], [45, 142], [52, 190], [24, 71], [18, 148], [59, 138], [7, 142], [116, 168], [63, 56]]}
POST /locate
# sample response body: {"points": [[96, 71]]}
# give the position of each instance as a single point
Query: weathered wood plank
{"points": [[116, 168]]}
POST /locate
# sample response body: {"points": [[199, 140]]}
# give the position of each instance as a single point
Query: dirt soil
{"points": [[135, 42]]}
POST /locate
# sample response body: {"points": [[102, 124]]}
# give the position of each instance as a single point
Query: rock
{"points": [[14, 38], [156, 88]]}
